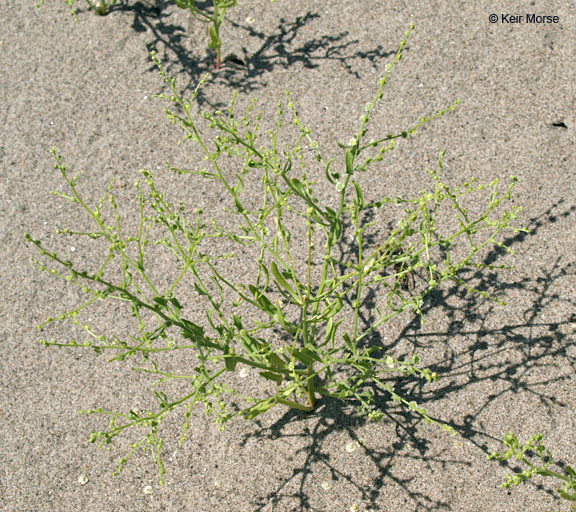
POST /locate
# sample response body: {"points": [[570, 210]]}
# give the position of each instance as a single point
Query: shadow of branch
{"points": [[504, 358], [280, 48]]}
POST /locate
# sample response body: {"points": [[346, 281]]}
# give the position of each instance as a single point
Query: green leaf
{"points": [[337, 230], [214, 38], [304, 355], [276, 377], [332, 310], [299, 187], [262, 301], [331, 328], [176, 304], [254, 348], [349, 343], [282, 283], [258, 409], [192, 331], [349, 162], [199, 290], [329, 176], [280, 318], [237, 322], [161, 300], [330, 214], [264, 270], [317, 218], [276, 360], [177, 308], [359, 195], [230, 362], [570, 496]]}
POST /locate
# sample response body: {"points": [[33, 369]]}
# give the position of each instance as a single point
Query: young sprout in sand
{"points": [[214, 20]]}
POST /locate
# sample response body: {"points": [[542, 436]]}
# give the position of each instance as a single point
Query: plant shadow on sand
{"points": [[486, 358], [279, 48]]}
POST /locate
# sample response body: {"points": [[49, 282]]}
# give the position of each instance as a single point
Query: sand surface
{"points": [[87, 88]]}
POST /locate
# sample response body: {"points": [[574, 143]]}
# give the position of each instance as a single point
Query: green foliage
{"points": [[534, 446], [304, 287]]}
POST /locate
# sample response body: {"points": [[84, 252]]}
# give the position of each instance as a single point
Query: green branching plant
{"points": [[535, 447], [295, 314]]}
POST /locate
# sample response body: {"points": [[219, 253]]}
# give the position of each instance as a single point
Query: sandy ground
{"points": [[87, 88]]}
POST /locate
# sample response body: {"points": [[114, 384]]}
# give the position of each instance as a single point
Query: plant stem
{"points": [[217, 58], [311, 389], [546, 472], [294, 405]]}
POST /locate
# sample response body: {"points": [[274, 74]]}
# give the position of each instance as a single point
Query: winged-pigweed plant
{"points": [[534, 446], [305, 336]]}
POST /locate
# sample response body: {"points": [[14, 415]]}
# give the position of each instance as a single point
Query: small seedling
{"points": [[215, 20]]}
